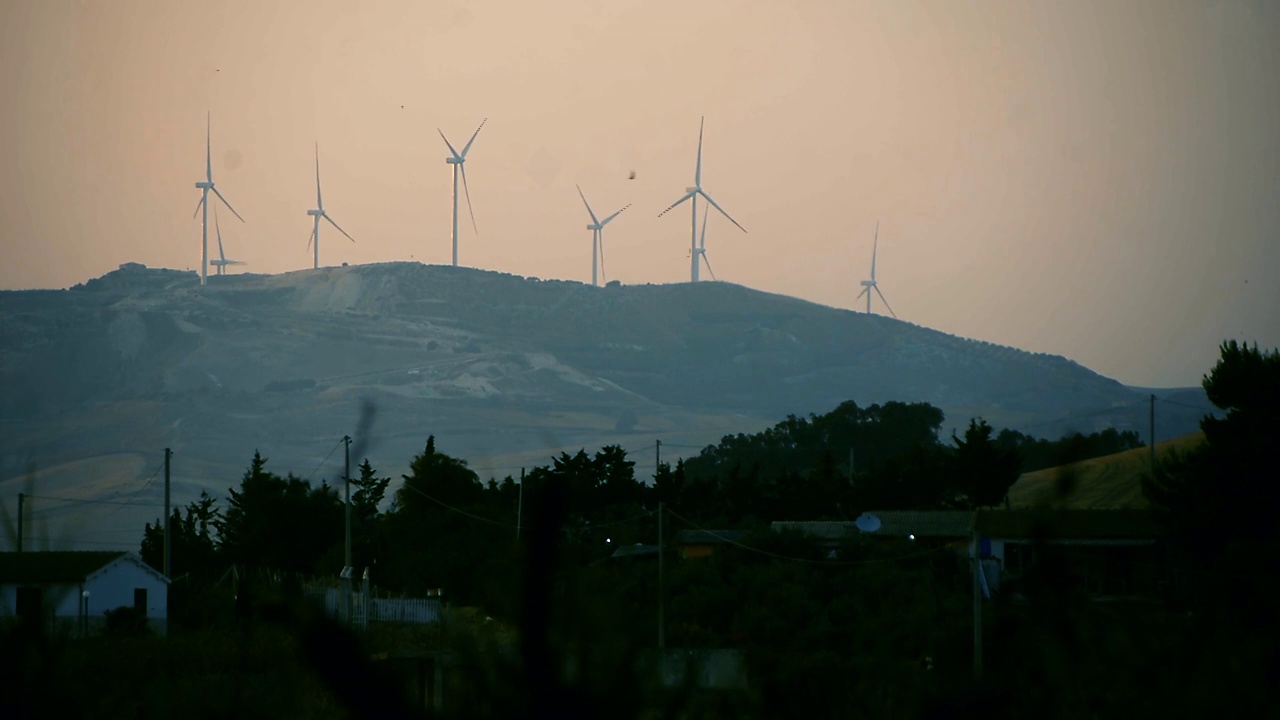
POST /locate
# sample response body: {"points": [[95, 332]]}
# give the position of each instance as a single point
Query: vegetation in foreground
{"points": [[878, 630]]}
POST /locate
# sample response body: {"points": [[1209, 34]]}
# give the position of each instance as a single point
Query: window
{"points": [[28, 602], [140, 599]]}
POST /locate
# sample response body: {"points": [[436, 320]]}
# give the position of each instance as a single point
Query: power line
{"points": [[325, 460], [94, 502]]}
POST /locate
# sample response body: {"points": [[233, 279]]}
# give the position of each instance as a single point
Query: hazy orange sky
{"points": [[1099, 180]]}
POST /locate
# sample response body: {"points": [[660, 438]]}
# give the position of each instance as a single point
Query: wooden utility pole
{"points": [[1153, 432], [977, 608], [346, 473], [662, 625], [520, 505], [22, 500], [168, 525], [657, 460]]}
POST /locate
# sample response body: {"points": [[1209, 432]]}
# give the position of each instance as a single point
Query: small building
{"points": [[78, 588], [702, 543]]}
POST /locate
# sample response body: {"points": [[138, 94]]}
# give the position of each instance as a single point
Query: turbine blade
{"points": [[606, 220], [224, 202], [319, 201], [697, 172], [708, 262], [198, 204], [722, 212], [886, 302], [584, 202], [218, 230], [675, 204], [875, 244], [467, 147], [208, 147], [703, 242], [331, 222], [467, 190], [446, 142], [864, 292], [311, 237]]}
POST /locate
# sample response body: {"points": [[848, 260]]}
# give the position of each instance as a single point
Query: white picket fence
{"points": [[365, 609]]}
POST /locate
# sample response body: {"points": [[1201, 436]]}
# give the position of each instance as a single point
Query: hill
{"points": [[1113, 482], [506, 371]]}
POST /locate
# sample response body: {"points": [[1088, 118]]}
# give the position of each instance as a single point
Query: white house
{"points": [[80, 587]]}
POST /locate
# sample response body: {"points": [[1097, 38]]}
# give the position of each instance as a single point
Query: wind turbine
{"points": [[205, 186], [702, 244], [317, 214], [869, 285], [692, 193], [457, 160], [597, 236], [222, 262]]}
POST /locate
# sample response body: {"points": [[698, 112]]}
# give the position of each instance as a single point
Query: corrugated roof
{"points": [[1000, 524], [1069, 524], [52, 566]]}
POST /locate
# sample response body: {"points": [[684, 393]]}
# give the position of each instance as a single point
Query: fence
{"points": [[366, 609]]}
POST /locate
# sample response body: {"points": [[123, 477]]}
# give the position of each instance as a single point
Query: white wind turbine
{"points": [[869, 285], [317, 214], [205, 186], [222, 262], [458, 160], [702, 244], [692, 193], [597, 236]]}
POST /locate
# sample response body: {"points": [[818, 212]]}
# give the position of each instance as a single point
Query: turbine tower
{"points": [[457, 160], [869, 285], [205, 186], [313, 243], [597, 236], [222, 262], [692, 193]]}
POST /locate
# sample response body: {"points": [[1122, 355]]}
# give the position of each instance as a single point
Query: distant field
{"points": [[1111, 482]]}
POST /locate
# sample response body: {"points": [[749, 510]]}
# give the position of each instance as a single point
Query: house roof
{"points": [[637, 550], [709, 537], [999, 524], [53, 566]]}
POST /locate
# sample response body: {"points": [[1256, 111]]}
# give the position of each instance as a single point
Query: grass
{"points": [[1113, 482]]}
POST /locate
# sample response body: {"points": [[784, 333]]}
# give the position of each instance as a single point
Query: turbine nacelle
{"points": [[868, 283], [454, 160], [315, 213], [594, 227], [692, 189], [205, 185]]}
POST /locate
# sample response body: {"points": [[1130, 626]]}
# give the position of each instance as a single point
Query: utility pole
{"points": [[850, 464], [346, 473], [347, 570], [662, 625], [1153, 432], [520, 505], [977, 608], [657, 457], [168, 546], [22, 499]]}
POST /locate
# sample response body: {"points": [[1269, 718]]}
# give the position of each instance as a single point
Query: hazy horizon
{"points": [[1092, 180]]}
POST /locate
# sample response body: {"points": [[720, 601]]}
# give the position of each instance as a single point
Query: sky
{"points": [[1087, 178]]}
